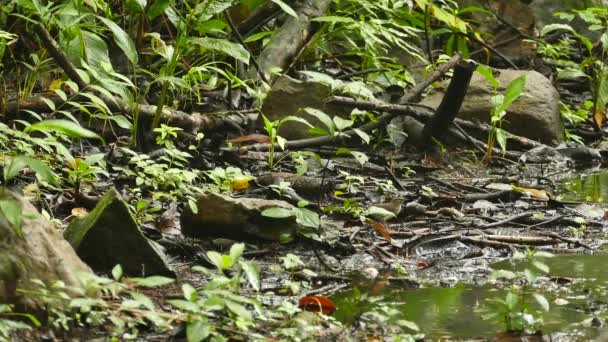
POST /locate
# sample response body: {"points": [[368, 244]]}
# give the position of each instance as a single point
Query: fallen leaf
{"points": [[317, 304], [251, 138], [422, 264], [534, 193], [380, 285], [382, 229], [79, 212], [598, 118]]}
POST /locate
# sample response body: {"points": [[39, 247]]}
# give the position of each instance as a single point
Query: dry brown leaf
{"points": [[251, 138], [382, 229]]}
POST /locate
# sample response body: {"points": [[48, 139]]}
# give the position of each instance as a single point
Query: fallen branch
{"points": [[391, 111]]}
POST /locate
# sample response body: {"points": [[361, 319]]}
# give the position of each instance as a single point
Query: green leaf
{"points": [[334, 19], [488, 74], [285, 7], [307, 218], [238, 309], [553, 27], [189, 292], [233, 50], [542, 301], [157, 8], [122, 39], [216, 259], [117, 272], [252, 273], [236, 251], [342, 124], [277, 212], [68, 128], [364, 136], [42, 170], [361, 157], [514, 90], [379, 213], [503, 274], [197, 330], [153, 281], [121, 121], [324, 118], [11, 209]]}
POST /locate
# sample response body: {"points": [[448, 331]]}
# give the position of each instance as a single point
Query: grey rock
{"points": [[109, 235], [39, 253], [221, 215], [535, 115]]}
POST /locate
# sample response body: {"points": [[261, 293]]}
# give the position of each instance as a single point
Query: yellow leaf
{"points": [[338, 193], [79, 212], [534, 193]]}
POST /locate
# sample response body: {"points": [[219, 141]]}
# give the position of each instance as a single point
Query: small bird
{"points": [[386, 211]]}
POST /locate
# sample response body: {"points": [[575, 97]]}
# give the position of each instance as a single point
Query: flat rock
{"points": [[535, 115], [221, 215], [109, 235], [39, 253]]}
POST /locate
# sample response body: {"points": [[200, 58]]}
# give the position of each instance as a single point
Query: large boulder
{"points": [[109, 235], [221, 215], [38, 252], [535, 115]]}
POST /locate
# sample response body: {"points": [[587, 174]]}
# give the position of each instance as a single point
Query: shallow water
{"points": [[457, 311], [587, 188]]}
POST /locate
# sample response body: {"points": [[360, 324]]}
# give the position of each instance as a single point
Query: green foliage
{"points": [[514, 310], [501, 103]]}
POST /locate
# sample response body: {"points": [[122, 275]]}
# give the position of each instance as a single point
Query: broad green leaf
{"points": [[197, 330], [117, 272], [542, 301], [216, 259], [285, 7], [236, 251], [252, 273], [42, 170], [152, 281], [361, 157], [11, 209], [379, 213], [364, 136], [238, 309], [503, 274], [307, 218], [277, 212], [189, 292], [65, 127], [233, 50], [342, 124], [122, 39], [157, 8], [553, 27], [324, 118], [334, 19], [488, 74], [514, 90], [121, 121]]}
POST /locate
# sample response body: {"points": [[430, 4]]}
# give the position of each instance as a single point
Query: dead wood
{"points": [[437, 126], [292, 35]]}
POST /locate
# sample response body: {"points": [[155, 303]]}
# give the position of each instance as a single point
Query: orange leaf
{"points": [[317, 304], [251, 138], [598, 118], [380, 284], [382, 229]]}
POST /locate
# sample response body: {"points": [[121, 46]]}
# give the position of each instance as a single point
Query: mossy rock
{"points": [[109, 235]]}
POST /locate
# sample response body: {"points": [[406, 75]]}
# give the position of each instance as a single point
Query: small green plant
{"points": [[514, 310], [84, 170], [272, 128], [500, 105], [8, 324]]}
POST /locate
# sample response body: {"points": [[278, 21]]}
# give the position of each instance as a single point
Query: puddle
{"points": [[589, 188], [457, 311]]}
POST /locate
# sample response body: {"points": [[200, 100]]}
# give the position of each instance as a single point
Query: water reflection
{"points": [[457, 311], [591, 188]]}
